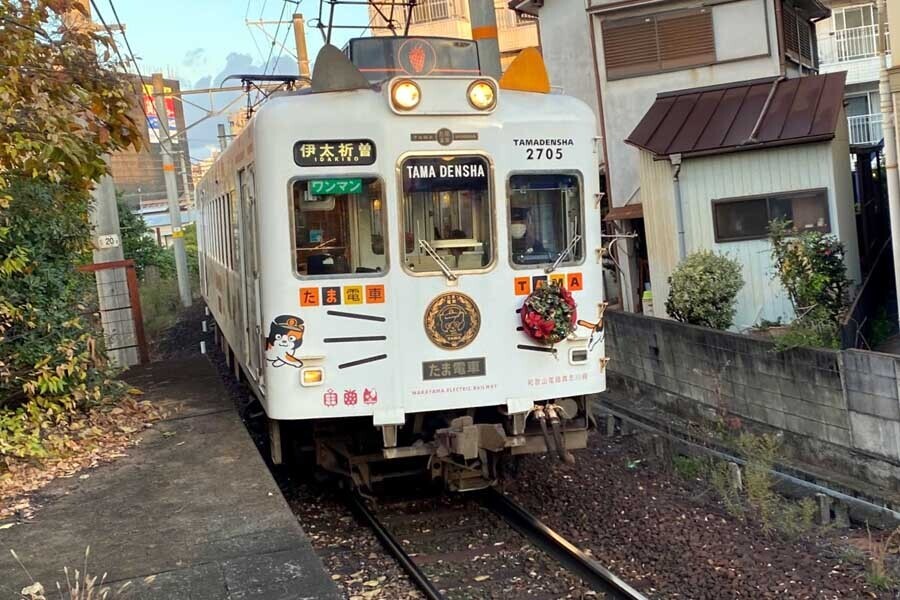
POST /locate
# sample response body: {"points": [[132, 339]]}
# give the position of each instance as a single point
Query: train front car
{"points": [[401, 227]]}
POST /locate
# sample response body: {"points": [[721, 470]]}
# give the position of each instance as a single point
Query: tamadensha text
{"points": [[543, 142]]}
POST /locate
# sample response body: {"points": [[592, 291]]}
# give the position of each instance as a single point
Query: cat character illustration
{"points": [[285, 338]]}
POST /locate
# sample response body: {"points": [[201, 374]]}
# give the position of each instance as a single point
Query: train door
{"points": [[250, 274], [448, 252]]}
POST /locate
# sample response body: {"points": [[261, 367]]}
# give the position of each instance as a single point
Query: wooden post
{"points": [[137, 313]]}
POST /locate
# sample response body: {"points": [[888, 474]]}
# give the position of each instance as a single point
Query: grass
{"points": [[878, 573], [79, 585], [160, 305], [755, 496]]}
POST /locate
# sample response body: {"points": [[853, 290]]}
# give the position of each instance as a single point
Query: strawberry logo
{"points": [[417, 58]]}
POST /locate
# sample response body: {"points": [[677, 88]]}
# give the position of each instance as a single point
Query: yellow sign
{"points": [[353, 294], [452, 321]]}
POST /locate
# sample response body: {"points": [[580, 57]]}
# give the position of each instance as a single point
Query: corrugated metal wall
{"points": [[750, 173], [658, 200]]}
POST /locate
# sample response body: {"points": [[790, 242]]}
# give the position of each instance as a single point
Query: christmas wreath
{"points": [[549, 314]]}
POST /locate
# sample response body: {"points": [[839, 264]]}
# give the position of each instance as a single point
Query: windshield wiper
{"points": [[562, 255], [445, 268]]}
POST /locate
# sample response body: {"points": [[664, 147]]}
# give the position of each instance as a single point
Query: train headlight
{"points": [[482, 95], [405, 95], [311, 376]]}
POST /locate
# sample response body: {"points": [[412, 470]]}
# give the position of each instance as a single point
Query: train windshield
{"points": [[447, 204], [338, 226], [544, 217]]}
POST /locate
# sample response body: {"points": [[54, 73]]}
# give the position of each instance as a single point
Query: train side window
{"points": [[545, 215], [448, 205], [339, 233]]}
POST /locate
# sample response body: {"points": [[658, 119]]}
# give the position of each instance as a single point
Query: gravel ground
{"points": [[671, 539], [666, 536]]}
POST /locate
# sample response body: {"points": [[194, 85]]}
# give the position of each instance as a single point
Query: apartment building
{"points": [[450, 18], [848, 41]]}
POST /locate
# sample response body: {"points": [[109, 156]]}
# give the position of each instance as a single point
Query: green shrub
{"points": [[139, 245], [810, 266], [703, 289]]}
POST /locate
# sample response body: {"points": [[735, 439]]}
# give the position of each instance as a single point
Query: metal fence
{"points": [[865, 129], [856, 43]]}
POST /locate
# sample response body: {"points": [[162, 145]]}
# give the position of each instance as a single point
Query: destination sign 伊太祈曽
{"points": [[335, 187], [334, 153]]}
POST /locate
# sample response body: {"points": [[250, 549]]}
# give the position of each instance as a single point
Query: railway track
{"points": [[442, 548]]}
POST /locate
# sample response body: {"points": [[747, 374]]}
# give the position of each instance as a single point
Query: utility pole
{"points": [[483, 17], [112, 285], [165, 145], [890, 144], [223, 139], [300, 40]]}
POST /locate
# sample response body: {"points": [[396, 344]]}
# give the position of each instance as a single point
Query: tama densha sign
{"points": [[431, 174]]}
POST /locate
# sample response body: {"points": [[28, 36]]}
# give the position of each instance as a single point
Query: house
{"points": [[718, 163], [450, 18], [618, 55], [848, 41]]}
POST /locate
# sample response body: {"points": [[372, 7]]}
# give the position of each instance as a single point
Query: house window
{"points": [[798, 38], [655, 43], [748, 218]]}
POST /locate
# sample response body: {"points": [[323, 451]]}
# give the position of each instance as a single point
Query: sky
{"points": [[200, 42]]}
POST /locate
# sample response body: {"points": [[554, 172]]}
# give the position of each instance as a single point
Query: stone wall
{"points": [[838, 409]]}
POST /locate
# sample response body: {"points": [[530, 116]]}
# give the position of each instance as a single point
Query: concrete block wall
{"points": [[849, 401]]}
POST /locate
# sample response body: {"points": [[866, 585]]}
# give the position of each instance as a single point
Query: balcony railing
{"points": [[437, 10], [865, 129], [856, 43]]}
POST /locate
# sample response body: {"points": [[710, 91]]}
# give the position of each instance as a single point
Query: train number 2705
{"points": [[543, 153]]}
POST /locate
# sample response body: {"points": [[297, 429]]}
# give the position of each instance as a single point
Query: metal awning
{"points": [[621, 213], [743, 115]]}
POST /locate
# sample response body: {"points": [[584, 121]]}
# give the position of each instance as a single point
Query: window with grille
{"points": [[662, 42]]}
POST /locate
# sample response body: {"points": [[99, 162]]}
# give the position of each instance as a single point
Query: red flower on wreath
{"points": [[549, 314]]}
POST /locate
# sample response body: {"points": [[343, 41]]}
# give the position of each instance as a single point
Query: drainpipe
{"points": [[890, 146], [675, 159]]}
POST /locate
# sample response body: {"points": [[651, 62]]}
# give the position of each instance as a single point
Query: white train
{"points": [[367, 245]]}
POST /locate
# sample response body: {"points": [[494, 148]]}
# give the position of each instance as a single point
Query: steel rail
{"points": [[573, 558], [391, 545]]}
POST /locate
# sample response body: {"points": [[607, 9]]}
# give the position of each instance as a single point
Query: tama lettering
{"points": [[445, 171], [543, 148]]}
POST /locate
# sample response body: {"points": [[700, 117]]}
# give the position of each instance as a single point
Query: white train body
{"points": [[331, 319]]}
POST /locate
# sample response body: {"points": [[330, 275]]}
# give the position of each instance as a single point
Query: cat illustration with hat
{"points": [[285, 338]]}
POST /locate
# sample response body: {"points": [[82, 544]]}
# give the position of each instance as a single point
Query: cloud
{"points": [[195, 58]]}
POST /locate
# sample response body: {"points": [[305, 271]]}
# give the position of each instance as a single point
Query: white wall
{"points": [[755, 172], [566, 47], [626, 100]]}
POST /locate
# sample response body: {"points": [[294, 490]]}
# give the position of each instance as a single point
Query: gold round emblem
{"points": [[452, 321]]}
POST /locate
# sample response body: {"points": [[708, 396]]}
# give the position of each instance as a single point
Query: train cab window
{"points": [[339, 233], [545, 215], [447, 214]]}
